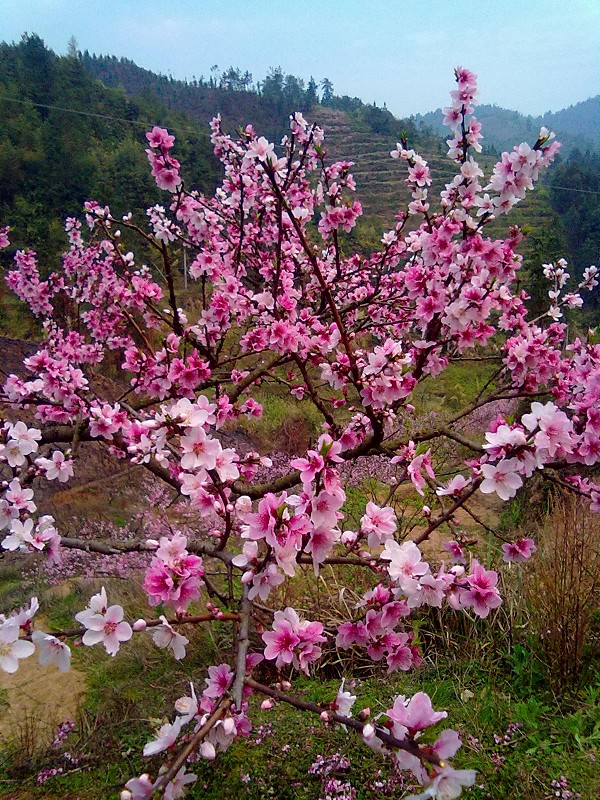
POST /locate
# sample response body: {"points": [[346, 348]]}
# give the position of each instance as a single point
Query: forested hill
{"points": [[577, 126], [266, 104], [51, 159], [233, 99]]}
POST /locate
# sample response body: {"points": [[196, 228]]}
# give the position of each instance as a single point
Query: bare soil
{"points": [[37, 700]]}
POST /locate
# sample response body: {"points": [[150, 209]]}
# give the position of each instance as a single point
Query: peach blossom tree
{"points": [[276, 299]]}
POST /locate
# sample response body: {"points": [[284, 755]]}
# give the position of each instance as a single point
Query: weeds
{"points": [[563, 591]]}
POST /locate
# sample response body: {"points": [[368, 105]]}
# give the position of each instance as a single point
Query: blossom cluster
{"points": [[18, 446], [293, 641], [174, 576]]}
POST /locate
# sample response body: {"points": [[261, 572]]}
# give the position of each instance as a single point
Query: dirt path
{"points": [[35, 699], [38, 700]]}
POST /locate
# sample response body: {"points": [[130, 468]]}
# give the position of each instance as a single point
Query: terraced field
{"points": [[380, 178]]}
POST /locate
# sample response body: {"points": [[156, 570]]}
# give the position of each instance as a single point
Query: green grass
{"points": [[484, 684], [455, 388], [287, 425], [16, 321]]}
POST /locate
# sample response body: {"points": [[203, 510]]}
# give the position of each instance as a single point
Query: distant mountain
{"points": [[235, 100], [265, 104], [577, 126]]}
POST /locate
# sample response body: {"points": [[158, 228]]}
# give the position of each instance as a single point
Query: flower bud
{"points": [[139, 625], [349, 538], [229, 726], [267, 705], [207, 750], [368, 731]]}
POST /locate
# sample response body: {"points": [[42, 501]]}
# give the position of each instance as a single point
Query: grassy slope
{"points": [[485, 673]]}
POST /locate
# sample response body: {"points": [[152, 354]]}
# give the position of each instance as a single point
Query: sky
{"points": [[532, 56]]}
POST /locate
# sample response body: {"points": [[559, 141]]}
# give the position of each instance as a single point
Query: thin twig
{"points": [[219, 712]]}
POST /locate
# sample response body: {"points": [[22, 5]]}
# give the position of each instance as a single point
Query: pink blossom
{"points": [[483, 596], [21, 535], [344, 701], [455, 549], [293, 641], [378, 523], [262, 583], [454, 487], [174, 576], [519, 550], [19, 498], [406, 566], [415, 471], [199, 450], [219, 680], [25, 614], [167, 736], [176, 787], [320, 544], [260, 149], [26, 438], [502, 478], [104, 624], [446, 784], [413, 715], [51, 650], [282, 640], [160, 138], [11, 647], [57, 467], [350, 633], [165, 636], [138, 788]]}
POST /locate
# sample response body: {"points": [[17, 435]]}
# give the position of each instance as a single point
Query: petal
{"points": [[92, 637], [22, 649]]}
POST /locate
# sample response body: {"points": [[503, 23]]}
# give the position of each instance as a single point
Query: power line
{"points": [[571, 189], [91, 114]]}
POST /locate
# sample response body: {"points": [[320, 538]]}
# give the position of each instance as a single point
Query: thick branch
{"points": [[134, 546], [154, 623], [243, 644]]}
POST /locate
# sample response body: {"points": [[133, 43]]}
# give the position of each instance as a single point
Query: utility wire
{"points": [[571, 189], [91, 114], [191, 130]]}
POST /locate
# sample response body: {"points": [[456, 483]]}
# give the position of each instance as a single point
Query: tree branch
{"points": [[408, 745]]}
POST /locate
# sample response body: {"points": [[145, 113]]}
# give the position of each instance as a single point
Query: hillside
{"points": [[66, 138], [380, 178], [201, 102], [355, 131], [577, 126]]}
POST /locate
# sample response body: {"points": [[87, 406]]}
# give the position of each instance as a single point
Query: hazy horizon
{"points": [[532, 58]]}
